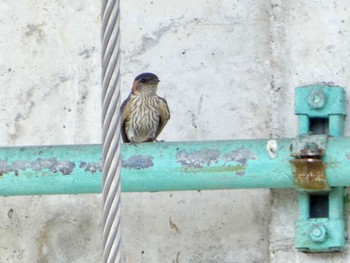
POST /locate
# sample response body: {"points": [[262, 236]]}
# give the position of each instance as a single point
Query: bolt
{"points": [[318, 233], [317, 99]]}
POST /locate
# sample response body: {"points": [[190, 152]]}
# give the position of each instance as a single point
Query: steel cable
{"points": [[111, 130]]}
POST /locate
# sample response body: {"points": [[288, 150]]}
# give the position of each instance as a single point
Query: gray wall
{"points": [[228, 70]]}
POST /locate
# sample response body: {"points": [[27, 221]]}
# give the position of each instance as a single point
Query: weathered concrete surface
{"points": [[51, 229], [228, 70], [206, 226]]}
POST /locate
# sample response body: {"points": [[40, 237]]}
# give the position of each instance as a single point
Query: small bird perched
{"points": [[143, 114]]}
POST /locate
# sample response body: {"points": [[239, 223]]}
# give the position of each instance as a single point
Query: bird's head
{"points": [[145, 84]]}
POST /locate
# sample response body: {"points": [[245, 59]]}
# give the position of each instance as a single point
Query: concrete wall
{"points": [[228, 70]]}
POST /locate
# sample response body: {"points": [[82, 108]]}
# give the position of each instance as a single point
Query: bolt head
{"points": [[318, 233], [316, 99]]}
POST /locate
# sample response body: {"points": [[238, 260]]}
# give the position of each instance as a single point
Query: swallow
{"points": [[143, 114]]}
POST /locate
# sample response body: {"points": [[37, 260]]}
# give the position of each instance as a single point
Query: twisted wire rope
{"points": [[110, 34]]}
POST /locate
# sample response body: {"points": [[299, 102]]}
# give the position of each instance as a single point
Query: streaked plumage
{"points": [[143, 114]]}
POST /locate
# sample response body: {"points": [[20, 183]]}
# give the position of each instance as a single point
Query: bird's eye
{"points": [[143, 80]]}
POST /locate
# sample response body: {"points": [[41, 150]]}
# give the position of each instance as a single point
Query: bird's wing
{"points": [[164, 115], [124, 112]]}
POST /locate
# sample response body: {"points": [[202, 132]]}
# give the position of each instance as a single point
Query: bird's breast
{"points": [[144, 116]]}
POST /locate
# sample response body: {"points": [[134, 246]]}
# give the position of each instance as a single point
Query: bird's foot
{"points": [[155, 140], [132, 142]]}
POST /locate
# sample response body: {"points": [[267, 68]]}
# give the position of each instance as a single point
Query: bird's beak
{"points": [[156, 81]]}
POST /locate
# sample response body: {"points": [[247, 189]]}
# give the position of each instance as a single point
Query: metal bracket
{"points": [[321, 226], [309, 169]]}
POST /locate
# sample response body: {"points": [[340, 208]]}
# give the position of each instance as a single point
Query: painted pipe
{"points": [[163, 166]]}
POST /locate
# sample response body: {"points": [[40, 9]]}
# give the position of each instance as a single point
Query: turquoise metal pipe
{"points": [[163, 166], [41, 170]]}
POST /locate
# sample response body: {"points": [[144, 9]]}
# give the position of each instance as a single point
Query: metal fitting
{"points": [[308, 167], [316, 99], [318, 233]]}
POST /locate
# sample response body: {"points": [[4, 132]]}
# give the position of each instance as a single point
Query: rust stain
{"points": [[173, 226], [138, 162], [309, 169], [309, 174]]}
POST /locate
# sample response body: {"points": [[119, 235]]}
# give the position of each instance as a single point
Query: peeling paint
{"points": [[197, 159], [347, 156], [64, 167], [238, 169], [240, 155], [92, 167], [201, 160], [138, 162], [271, 148]]}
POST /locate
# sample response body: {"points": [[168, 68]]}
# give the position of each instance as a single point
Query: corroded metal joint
{"points": [[309, 169]]}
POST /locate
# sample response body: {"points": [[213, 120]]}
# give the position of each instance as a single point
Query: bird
{"points": [[143, 114]]}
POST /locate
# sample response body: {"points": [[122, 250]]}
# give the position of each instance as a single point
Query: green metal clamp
{"points": [[321, 226]]}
